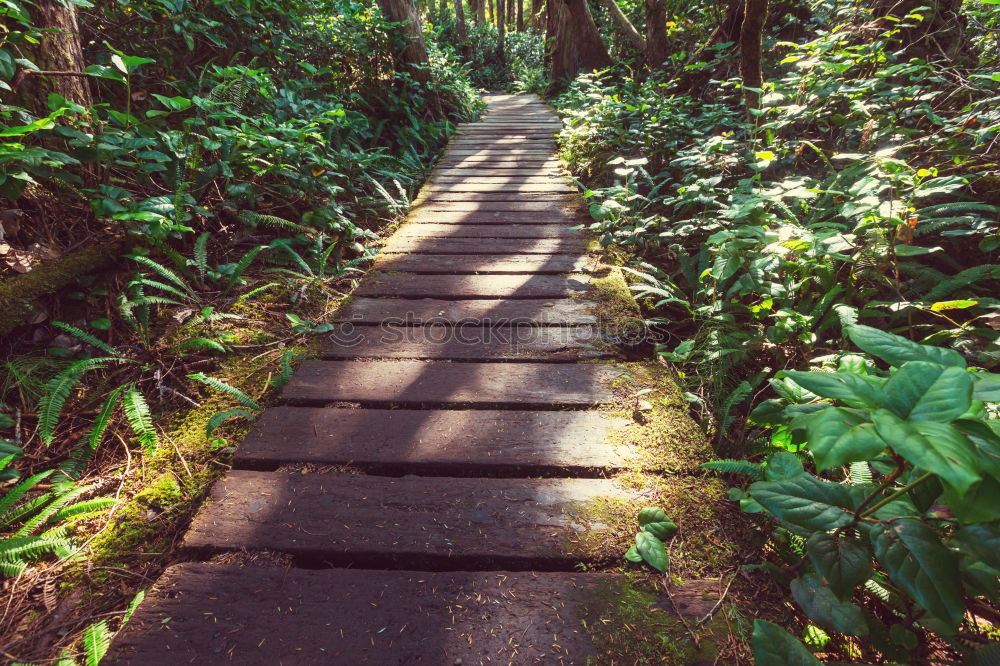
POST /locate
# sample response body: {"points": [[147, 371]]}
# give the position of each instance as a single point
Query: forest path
{"points": [[431, 480]]}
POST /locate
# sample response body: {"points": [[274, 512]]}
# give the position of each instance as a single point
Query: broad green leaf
{"points": [[632, 555], [924, 391], [937, 447], [952, 305], [656, 522], [782, 465], [978, 504], [838, 437], [897, 350], [823, 607], [917, 561], [844, 562], [773, 646], [846, 387], [806, 501], [652, 551], [986, 387], [980, 542]]}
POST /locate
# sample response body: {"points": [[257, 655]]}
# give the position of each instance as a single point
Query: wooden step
{"points": [[508, 197], [499, 162], [516, 172], [403, 244], [499, 187], [564, 206], [484, 264], [527, 342], [559, 217], [416, 522], [263, 616], [497, 179], [515, 385], [557, 312], [457, 442], [432, 230], [403, 285]]}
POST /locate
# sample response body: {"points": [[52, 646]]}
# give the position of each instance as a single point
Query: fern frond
{"points": [[58, 390], [11, 497], [104, 417], [964, 279], [156, 284], [73, 467], [25, 509], [96, 641], [736, 397], [139, 418], [43, 516], [242, 265], [127, 305], [285, 375], [12, 569], [86, 337], [860, 473], [273, 221], [163, 271], [203, 343], [82, 508], [26, 548], [730, 466], [220, 418], [201, 255], [256, 292], [134, 604], [228, 389]]}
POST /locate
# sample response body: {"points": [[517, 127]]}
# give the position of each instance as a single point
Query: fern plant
{"points": [[251, 408]]}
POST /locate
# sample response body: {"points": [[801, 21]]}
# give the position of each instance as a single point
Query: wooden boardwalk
{"points": [[455, 410]]}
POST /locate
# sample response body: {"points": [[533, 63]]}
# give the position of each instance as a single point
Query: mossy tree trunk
{"points": [[628, 30], [59, 58], [576, 43], [501, 29], [412, 57], [460, 27], [536, 14], [751, 34], [520, 15]]}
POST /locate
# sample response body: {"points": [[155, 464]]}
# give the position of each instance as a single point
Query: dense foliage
{"points": [[855, 209]]}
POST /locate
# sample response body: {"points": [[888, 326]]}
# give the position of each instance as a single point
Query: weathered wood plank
{"points": [[353, 519], [261, 616], [495, 217], [485, 264], [409, 244], [504, 178], [549, 344], [557, 312], [524, 385], [521, 172], [403, 285], [437, 197], [523, 205], [462, 442], [431, 230], [512, 188]]}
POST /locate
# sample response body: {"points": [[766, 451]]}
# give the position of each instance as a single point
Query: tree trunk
{"points": [[576, 44], [510, 14], [520, 15], [59, 57], [628, 30], [492, 13], [656, 34], [729, 31], [479, 7], [501, 29], [463, 35], [443, 7], [536, 14], [412, 58], [751, 34]]}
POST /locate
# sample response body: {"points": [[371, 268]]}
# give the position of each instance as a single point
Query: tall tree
{"points": [[492, 13], [501, 16], [576, 44], [480, 7], [412, 56], [463, 34], [520, 15], [628, 30], [656, 34], [751, 34], [58, 57], [536, 14]]}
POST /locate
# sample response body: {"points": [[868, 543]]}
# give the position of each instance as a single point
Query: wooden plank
{"points": [[358, 520], [557, 312], [495, 152], [409, 244], [549, 344], [435, 197], [428, 229], [518, 172], [560, 188], [496, 217], [262, 616], [462, 442], [523, 205], [499, 179], [403, 285], [412, 383], [484, 264]]}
